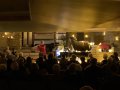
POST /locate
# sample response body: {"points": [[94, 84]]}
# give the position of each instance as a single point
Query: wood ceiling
{"points": [[59, 15], [12, 10]]}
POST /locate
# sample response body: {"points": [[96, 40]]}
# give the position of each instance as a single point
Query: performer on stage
{"points": [[42, 48]]}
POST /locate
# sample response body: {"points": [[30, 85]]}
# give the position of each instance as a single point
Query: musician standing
{"points": [[42, 48]]}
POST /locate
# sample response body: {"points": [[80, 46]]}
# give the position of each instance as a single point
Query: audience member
{"points": [[83, 63], [69, 75], [86, 88]]}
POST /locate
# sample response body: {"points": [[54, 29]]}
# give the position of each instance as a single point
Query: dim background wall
{"points": [[16, 42]]}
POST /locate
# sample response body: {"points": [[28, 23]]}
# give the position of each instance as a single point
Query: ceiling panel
{"points": [[11, 10], [59, 15]]}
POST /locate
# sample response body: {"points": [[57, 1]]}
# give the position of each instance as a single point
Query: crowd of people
{"points": [[48, 72]]}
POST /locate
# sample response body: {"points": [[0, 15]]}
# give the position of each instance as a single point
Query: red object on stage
{"points": [[42, 48], [105, 46]]}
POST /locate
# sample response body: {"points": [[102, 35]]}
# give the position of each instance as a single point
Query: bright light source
{"points": [[117, 38], [58, 62], [11, 37], [78, 59], [73, 35], [110, 50], [86, 60], [99, 50], [86, 36], [104, 33], [6, 33], [92, 43], [99, 43]]}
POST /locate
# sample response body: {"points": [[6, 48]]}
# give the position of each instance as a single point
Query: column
{"points": [[30, 38], [25, 39]]}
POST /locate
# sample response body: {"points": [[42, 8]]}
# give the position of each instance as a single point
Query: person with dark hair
{"points": [[28, 61], [90, 56], [105, 59], [73, 59], [116, 59], [83, 63], [13, 51], [40, 61], [86, 87], [63, 62], [92, 72], [50, 62]]}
